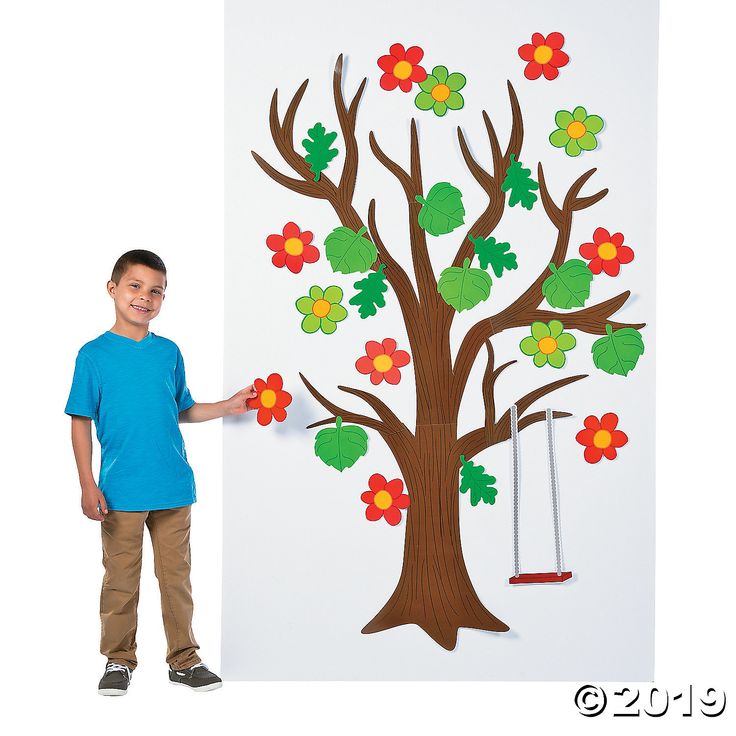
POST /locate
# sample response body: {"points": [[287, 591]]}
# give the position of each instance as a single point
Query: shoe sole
{"points": [[111, 691], [201, 688]]}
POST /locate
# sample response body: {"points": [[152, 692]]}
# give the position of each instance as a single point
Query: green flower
{"points": [[576, 131], [441, 91], [547, 344], [322, 309]]}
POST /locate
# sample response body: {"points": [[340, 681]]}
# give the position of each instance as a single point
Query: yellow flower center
{"points": [[576, 130], [321, 308], [402, 70], [542, 54], [294, 246], [383, 500], [268, 398], [607, 251], [440, 92], [602, 439], [547, 345], [383, 363]]}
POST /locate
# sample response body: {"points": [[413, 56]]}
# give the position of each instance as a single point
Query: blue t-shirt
{"points": [[134, 391]]}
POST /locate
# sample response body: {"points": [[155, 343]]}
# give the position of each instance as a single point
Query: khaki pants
{"points": [[122, 553]]}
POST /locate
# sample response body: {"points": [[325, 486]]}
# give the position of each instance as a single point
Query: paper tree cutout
{"points": [[385, 499], [548, 344], [292, 248], [319, 151], [342, 446], [348, 251], [544, 56], [569, 285], [601, 438], [619, 351], [434, 590], [441, 91], [442, 211], [271, 400], [401, 68], [382, 361], [322, 309], [464, 288], [576, 131], [607, 252]]}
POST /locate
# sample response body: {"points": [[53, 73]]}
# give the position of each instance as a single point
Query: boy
{"points": [[131, 382]]}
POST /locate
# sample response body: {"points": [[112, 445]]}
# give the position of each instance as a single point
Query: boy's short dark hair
{"points": [[137, 257]]}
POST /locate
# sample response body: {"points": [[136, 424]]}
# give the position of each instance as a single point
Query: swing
{"points": [[528, 578]]}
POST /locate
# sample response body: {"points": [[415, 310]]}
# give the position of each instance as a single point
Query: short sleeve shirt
{"points": [[134, 391]]}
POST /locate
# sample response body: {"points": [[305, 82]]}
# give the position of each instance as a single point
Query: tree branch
{"points": [[489, 382], [387, 416]]}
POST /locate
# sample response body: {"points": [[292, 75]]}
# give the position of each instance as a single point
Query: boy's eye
{"points": [[156, 291], [135, 286]]}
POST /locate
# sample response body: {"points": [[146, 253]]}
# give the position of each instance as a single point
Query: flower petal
{"points": [[526, 51], [373, 513], [337, 313], [566, 341], [592, 455], [291, 230], [429, 83], [405, 85], [294, 263], [556, 359], [540, 330], [377, 482], [618, 438], [327, 326], [625, 254], [588, 142], [402, 502], [397, 50], [609, 421], [441, 73], [585, 437], [559, 58], [440, 108], [264, 416], [306, 237], [588, 250], [601, 235], [260, 385], [550, 72], [364, 365], [424, 101], [283, 399], [456, 81], [367, 496], [418, 74], [537, 39], [555, 40], [387, 63], [316, 293], [529, 346], [275, 382], [455, 101], [395, 487], [610, 452], [612, 268], [389, 345], [414, 54], [555, 328], [596, 265], [304, 304], [388, 82], [392, 515], [376, 377], [594, 123], [275, 242], [373, 349], [278, 413], [279, 259], [392, 375], [579, 113], [311, 323], [563, 118], [533, 70], [592, 422], [572, 148], [559, 138], [310, 254], [617, 239], [540, 360], [400, 358], [333, 294]]}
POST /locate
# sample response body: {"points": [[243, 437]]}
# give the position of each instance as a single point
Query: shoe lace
{"points": [[115, 667]]}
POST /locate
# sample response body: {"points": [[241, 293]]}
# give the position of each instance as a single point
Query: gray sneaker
{"points": [[197, 678], [116, 679]]}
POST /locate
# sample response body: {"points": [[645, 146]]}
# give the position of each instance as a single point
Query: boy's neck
{"points": [[134, 332]]}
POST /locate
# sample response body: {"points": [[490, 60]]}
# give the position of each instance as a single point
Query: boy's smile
{"points": [[138, 297]]}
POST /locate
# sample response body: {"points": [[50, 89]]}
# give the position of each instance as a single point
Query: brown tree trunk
{"points": [[434, 590]]}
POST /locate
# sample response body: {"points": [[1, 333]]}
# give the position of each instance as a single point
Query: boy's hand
{"points": [[91, 497], [237, 403]]}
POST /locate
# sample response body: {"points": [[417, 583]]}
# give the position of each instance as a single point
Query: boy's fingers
{"points": [[102, 503]]}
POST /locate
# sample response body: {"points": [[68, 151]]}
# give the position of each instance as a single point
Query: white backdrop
{"points": [[303, 570]]}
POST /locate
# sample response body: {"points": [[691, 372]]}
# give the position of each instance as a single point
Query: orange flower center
{"points": [[268, 398], [607, 251], [576, 130], [440, 92], [294, 246], [383, 363], [547, 345], [321, 308], [602, 439], [402, 70], [383, 500], [542, 54]]}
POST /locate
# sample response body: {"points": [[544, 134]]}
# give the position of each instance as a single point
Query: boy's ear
{"points": [[111, 288]]}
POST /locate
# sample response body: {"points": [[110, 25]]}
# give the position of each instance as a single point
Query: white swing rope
{"points": [[515, 476], [553, 485]]}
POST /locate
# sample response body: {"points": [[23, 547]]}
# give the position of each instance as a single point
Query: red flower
{"points": [[401, 68], [601, 438], [544, 55], [382, 361], [385, 499], [271, 401], [292, 248], [607, 252]]}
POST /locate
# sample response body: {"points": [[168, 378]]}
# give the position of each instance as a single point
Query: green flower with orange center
{"points": [[440, 91], [548, 344], [576, 131], [322, 309]]}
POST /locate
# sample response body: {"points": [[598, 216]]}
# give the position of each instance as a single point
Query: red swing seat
{"points": [[528, 578]]}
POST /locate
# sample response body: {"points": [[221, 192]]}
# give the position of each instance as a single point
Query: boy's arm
{"points": [[236, 404], [82, 446]]}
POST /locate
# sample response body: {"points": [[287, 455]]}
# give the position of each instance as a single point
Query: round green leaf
{"points": [[341, 447], [618, 352], [348, 251], [569, 285], [442, 211], [464, 288]]}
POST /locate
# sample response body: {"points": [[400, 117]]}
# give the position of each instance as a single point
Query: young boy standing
{"points": [[131, 382]]}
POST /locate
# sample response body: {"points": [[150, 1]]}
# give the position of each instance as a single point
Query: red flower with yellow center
{"points": [[382, 360], [292, 248], [401, 68], [271, 400], [601, 438], [544, 56], [607, 252], [385, 499]]}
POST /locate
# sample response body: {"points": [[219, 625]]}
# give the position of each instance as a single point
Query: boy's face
{"points": [[139, 295]]}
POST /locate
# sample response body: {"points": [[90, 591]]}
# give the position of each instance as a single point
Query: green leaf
{"points": [[618, 352], [348, 251], [319, 153], [495, 254], [370, 293], [473, 478], [442, 211], [341, 446], [464, 288], [569, 285], [522, 186]]}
